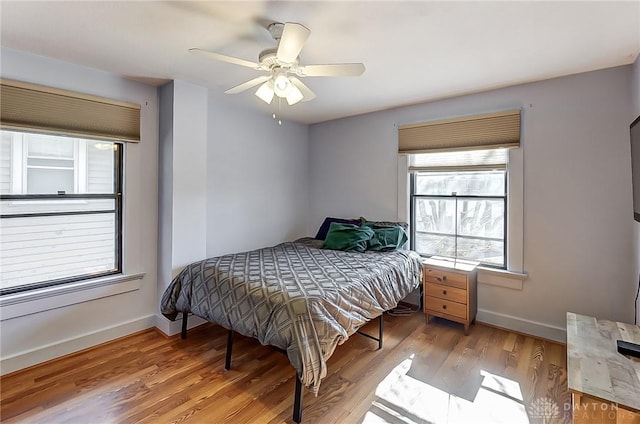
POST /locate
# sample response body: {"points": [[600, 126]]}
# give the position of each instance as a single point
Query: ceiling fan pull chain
{"points": [[279, 109]]}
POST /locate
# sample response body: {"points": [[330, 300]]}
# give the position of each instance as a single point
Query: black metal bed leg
{"points": [[227, 361], [185, 318], [297, 401], [380, 328]]}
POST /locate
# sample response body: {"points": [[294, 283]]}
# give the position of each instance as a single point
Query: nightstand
{"points": [[450, 290]]}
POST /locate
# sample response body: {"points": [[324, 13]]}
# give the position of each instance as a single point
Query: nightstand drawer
{"points": [[442, 306], [446, 292], [452, 279]]}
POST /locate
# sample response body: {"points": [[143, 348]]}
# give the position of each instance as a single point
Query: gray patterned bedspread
{"points": [[295, 296]]}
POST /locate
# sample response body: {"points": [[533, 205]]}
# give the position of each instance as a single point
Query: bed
{"points": [[296, 296]]}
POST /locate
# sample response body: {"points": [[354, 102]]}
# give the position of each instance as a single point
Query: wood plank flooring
{"points": [[424, 374]]}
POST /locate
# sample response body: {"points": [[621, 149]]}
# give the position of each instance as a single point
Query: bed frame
{"points": [[297, 395]]}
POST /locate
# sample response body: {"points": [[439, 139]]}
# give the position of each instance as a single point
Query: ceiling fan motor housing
{"points": [[275, 29], [268, 60]]}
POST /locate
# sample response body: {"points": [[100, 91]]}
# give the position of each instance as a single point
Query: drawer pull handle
{"points": [[444, 292], [444, 306]]}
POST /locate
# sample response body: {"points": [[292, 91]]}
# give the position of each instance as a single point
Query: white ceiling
{"points": [[414, 51]]}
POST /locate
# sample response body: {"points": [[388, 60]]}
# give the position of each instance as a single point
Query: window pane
{"points": [[486, 251], [6, 152], [435, 215], [43, 180], [39, 249], [481, 218], [48, 164], [100, 168], [48, 238], [31, 206], [429, 244], [41, 145], [472, 183]]}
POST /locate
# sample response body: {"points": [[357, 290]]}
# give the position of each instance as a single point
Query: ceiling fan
{"points": [[283, 67]]}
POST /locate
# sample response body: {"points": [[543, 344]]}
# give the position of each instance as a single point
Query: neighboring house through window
{"points": [[61, 209], [50, 163]]}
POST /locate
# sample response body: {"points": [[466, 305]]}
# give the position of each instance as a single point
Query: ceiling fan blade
{"points": [[224, 58], [306, 91], [293, 38], [247, 85], [331, 70]]}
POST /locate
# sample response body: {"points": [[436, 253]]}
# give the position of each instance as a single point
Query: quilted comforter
{"points": [[294, 296]]}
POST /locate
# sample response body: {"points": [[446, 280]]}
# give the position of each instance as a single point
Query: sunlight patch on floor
{"points": [[400, 398]]}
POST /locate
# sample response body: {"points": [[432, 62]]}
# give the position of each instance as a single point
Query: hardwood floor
{"points": [[424, 374]]}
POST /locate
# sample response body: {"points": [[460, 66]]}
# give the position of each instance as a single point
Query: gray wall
{"points": [[635, 97], [165, 186], [183, 175], [577, 179], [257, 182]]}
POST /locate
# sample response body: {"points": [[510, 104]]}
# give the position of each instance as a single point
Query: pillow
{"points": [[388, 224], [347, 237], [324, 228], [387, 238], [380, 224]]}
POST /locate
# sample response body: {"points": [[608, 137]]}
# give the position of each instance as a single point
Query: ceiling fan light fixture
{"points": [[265, 92], [294, 96], [281, 83]]}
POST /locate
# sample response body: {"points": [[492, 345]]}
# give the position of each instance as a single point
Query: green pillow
{"points": [[387, 238], [347, 237]]}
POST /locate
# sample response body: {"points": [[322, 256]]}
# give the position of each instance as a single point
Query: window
{"points": [[61, 199], [60, 209], [459, 205]]}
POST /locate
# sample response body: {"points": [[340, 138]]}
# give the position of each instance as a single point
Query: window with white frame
{"points": [[60, 209], [459, 205], [61, 185]]}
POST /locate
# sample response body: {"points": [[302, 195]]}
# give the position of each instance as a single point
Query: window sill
{"points": [[20, 304], [500, 277]]}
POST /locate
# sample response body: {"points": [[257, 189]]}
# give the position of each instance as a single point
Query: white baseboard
{"points": [[510, 322], [64, 347], [171, 328], [521, 325]]}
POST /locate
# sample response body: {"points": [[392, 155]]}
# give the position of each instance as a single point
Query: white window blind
{"points": [[459, 160]]}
